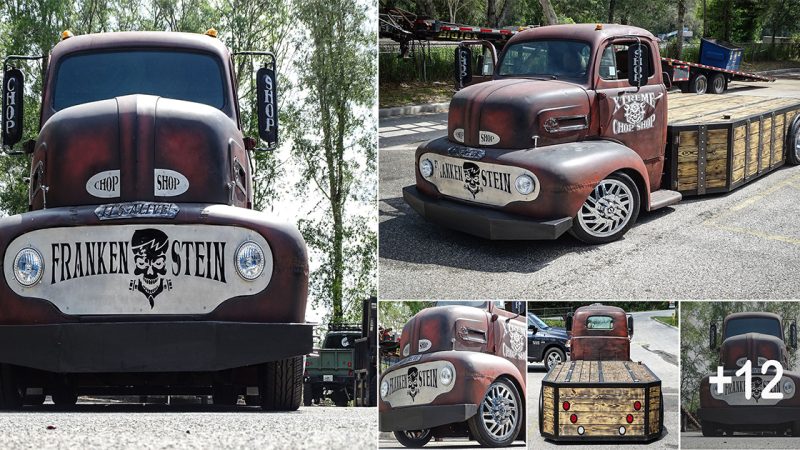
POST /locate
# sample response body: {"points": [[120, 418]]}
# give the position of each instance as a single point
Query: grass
{"points": [[414, 93], [760, 66], [669, 320]]}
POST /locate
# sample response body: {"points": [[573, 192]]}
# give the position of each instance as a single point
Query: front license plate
{"points": [[327, 378], [487, 183]]}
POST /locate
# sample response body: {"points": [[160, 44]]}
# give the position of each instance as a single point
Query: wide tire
{"points": [[499, 417], [340, 397], [414, 438], [553, 356], [792, 147], [698, 84], [717, 84], [308, 396], [609, 212], [11, 394], [710, 429], [281, 386]]}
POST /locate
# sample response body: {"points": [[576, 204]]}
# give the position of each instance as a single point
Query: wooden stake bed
{"points": [[716, 143], [599, 396]]}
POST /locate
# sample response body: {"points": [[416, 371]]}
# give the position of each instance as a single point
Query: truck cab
{"points": [[140, 264], [568, 136], [600, 333], [462, 373], [757, 337]]}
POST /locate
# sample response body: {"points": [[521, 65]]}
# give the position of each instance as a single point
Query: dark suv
{"points": [[546, 343]]}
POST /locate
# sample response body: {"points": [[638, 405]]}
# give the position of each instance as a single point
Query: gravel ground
{"points": [[195, 427], [695, 439]]}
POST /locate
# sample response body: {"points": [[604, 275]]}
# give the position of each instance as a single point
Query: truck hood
{"points": [[444, 328], [508, 113], [756, 347], [138, 148]]}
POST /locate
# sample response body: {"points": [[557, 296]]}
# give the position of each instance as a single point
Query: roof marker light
{"points": [[66, 34], [211, 32]]}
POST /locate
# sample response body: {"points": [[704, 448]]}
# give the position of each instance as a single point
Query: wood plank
{"points": [[654, 408], [548, 421]]}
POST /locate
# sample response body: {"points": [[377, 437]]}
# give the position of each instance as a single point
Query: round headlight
{"points": [[426, 168], [446, 376], [384, 388], [28, 267], [524, 184], [788, 386], [249, 261]]}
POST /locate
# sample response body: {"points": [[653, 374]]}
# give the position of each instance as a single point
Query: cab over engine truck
{"points": [[600, 394], [756, 337], [574, 134], [140, 267], [462, 374]]}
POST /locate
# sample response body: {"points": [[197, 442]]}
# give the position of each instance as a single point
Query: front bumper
{"points": [[751, 415], [422, 417], [483, 222], [168, 346]]}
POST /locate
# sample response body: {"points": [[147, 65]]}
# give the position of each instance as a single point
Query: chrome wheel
{"points": [[797, 145], [553, 358], [500, 412], [417, 435], [608, 209], [719, 84]]}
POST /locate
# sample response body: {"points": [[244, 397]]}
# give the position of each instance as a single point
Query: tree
{"points": [[549, 12], [681, 4], [333, 143]]}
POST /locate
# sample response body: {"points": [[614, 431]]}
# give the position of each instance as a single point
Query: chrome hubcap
{"points": [[417, 434], [499, 412], [701, 86], [553, 358], [719, 83], [607, 210], [797, 144]]}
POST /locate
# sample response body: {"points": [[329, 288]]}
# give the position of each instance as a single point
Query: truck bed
{"points": [[573, 372], [718, 143]]}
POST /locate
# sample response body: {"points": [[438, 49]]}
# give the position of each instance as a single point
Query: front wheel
{"points": [[281, 384], [499, 418], [413, 438], [793, 143], [609, 212], [552, 357]]}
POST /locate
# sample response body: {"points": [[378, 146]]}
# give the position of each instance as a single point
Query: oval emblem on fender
{"points": [[104, 184], [424, 345], [458, 134], [488, 138], [169, 183]]}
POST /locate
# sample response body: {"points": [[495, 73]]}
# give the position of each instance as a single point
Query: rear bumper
{"points": [[483, 222], [422, 417], [749, 416], [170, 346]]}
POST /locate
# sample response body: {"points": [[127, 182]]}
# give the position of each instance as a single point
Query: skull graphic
{"points": [[150, 256], [758, 387], [515, 346], [634, 112], [472, 178], [413, 382]]}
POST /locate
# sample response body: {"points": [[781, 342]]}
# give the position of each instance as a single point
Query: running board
{"points": [[664, 197]]}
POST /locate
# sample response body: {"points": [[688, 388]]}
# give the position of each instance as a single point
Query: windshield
{"points": [[537, 322], [555, 59], [88, 77], [763, 325]]}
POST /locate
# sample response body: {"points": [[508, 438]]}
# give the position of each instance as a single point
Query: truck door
{"points": [[508, 336], [636, 119]]}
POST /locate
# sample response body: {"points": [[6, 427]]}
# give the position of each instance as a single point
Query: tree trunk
{"points": [[679, 37], [549, 13], [611, 5], [508, 7], [491, 13], [425, 8], [726, 21]]}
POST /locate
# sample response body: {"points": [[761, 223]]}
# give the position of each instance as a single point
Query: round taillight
{"points": [[637, 405], [565, 405], [573, 418], [629, 418]]}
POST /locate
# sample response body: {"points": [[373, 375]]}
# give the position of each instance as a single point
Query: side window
{"points": [[614, 62], [608, 64]]}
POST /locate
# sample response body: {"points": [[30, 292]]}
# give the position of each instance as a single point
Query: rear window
{"points": [[599, 323], [89, 77]]}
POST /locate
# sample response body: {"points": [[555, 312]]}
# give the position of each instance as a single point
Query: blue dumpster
{"points": [[720, 54]]}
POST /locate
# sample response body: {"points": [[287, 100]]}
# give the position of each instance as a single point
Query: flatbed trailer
{"points": [[701, 78], [716, 144], [601, 400]]}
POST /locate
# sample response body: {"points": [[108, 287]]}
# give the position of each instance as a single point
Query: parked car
{"points": [[545, 343]]}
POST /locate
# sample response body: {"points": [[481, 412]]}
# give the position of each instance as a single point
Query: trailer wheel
{"points": [[698, 84], [11, 393], [793, 143], [710, 429], [499, 417], [553, 356], [307, 394], [718, 84], [281, 384], [609, 211], [413, 438]]}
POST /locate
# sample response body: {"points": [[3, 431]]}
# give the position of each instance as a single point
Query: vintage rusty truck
{"points": [[600, 394], [141, 267], [757, 337], [462, 373], [574, 134]]}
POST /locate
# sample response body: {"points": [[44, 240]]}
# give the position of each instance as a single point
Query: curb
{"points": [[413, 109]]}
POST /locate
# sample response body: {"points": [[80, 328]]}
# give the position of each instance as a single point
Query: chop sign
{"points": [[13, 86]]}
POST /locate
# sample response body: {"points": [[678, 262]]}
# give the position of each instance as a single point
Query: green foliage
{"points": [[628, 306], [394, 314]]}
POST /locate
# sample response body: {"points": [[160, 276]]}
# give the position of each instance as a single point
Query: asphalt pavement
{"points": [[695, 439], [737, 245], [113, 426], [654, 344], [453, 443]]}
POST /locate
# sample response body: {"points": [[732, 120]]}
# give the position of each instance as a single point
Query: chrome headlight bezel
{"points": [[38, 262], [246, 273], [525, 184], [384, 388], [426, 167], [446, 376]]}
